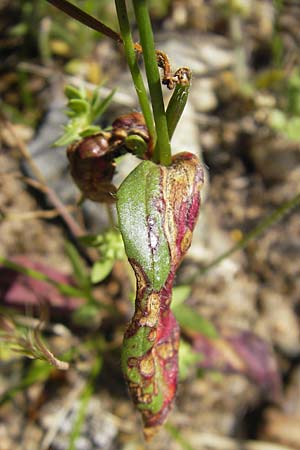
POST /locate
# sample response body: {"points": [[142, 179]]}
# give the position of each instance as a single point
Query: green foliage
{"points": [[134, 207], [178, 437], [187, 359], [176, 106], [190, 319], [187, 317], [63, 288], [111, 249], [287, 120], [39, 370], [79, 269], [27, 341], [88, 313], [83, 110], [180, 295]]}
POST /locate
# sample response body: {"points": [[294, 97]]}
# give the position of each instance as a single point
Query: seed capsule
{"points": [[93, 146], [92, 158], [92, 167], [131, 127]]}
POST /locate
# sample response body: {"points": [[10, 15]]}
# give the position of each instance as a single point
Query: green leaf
{"points": [[190, 319], [86, 314], [176, 106], [80, 106], [277, 119], [79, 268], [180, 295], [73, 92], [101, 269], [88, 131], [135, 199], [187, 358], [71, 291], [293, 128], [98, 106], [39, 370], [91, 240], [67, 138], [65, 289]]}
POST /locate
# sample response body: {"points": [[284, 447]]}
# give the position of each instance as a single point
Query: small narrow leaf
{"points": [[176, 106], [89, 131], [73, 92], [191, 320], [98, 106], [187, 358], [80, 106], [180, 295], [91, 240], [101, 269], [79, 267], [66, 138]]}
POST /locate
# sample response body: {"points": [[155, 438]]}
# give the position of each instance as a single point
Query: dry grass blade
{"points": [[28, 341]]}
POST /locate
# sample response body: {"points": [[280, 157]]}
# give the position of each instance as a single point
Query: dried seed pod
{"points": [[92, 159], [92, 167], [132, 123], [93, 146], [129, 126]]}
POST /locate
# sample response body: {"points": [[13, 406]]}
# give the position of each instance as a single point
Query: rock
{"points": [[275, 159], [202, 95], [280, 321]]}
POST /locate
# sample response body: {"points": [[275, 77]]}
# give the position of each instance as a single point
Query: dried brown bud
{"points": [[132, 123], [92, 167], [129, 125]]}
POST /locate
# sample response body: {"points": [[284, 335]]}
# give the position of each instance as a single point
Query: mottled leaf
{"points": [[158, 208]]}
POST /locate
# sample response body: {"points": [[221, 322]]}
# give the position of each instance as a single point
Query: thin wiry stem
{"points": [[85, 18]]}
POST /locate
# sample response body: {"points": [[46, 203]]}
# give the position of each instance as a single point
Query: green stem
{"points": [[163, 149], [133, 66], [257, 231]]}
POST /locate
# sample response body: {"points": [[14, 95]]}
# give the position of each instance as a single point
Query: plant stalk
{"points": [[162, 152], [134, 68]]}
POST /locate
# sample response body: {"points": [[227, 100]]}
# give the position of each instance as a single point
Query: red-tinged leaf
{"points": [[20, 290], [241, 352], [158, 208]]}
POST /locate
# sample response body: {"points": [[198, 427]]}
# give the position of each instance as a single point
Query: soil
{"points": [[245, 398]]}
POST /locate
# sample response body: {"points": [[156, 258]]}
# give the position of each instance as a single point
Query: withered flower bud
{"points": [[92, 167], [129, 125]]}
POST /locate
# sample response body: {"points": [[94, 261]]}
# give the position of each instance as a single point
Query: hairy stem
{"points": [[162, 151], [133, 66]]}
